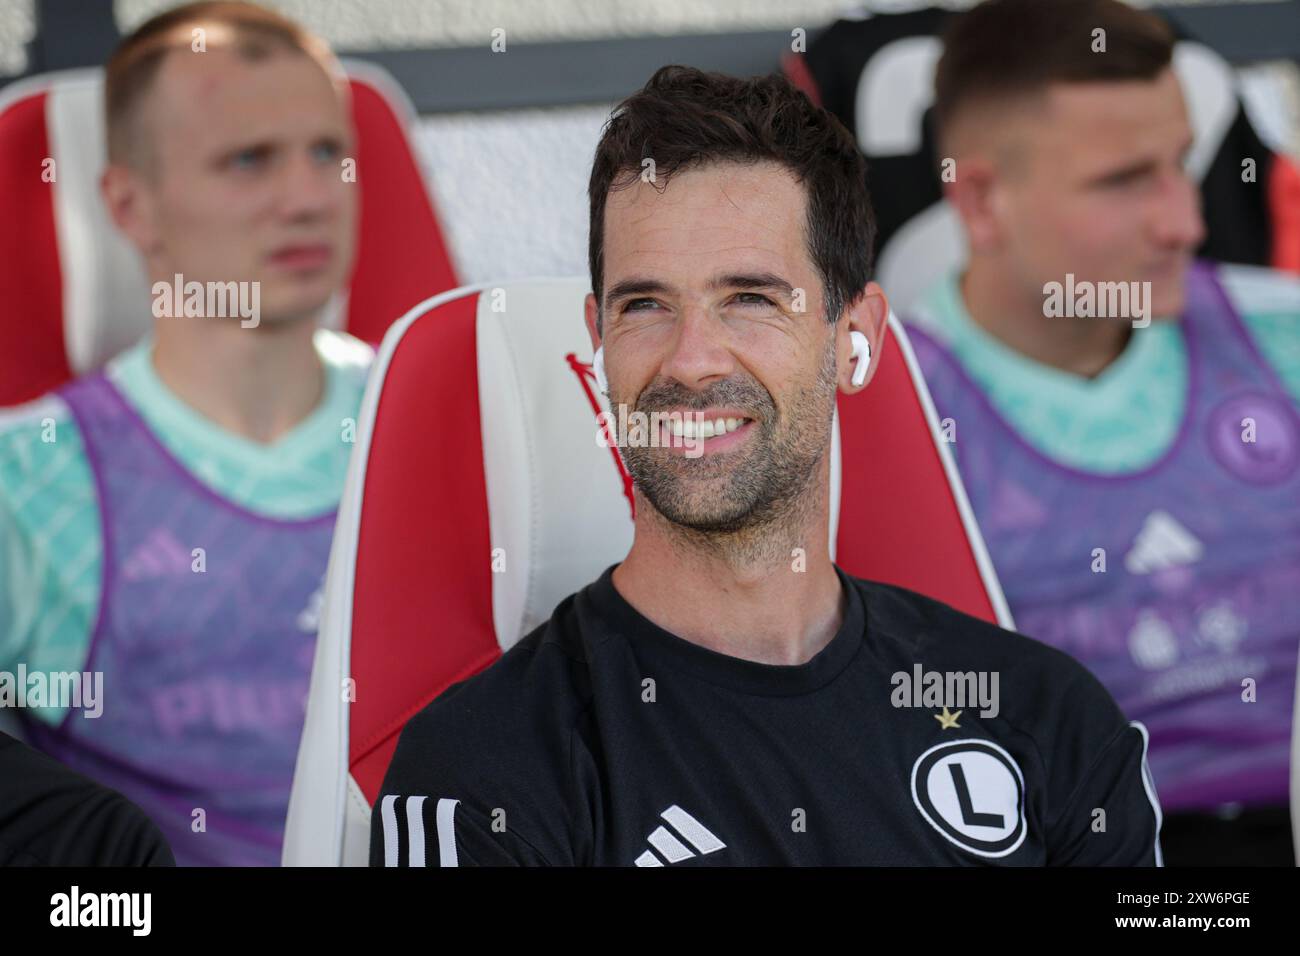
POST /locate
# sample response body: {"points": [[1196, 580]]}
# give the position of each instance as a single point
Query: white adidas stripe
{"points": [[389, 816], [1149, 785], [671, 848], [415, 837], [692, 829], [1162, 542], [447, 832], [415, 830]]}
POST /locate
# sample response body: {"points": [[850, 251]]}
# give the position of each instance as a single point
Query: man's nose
{"points": [[1178, 220], [308, 187], [698, 353]]}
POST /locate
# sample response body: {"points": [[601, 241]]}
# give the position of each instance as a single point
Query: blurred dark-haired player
{"points": [[1135, 470]]}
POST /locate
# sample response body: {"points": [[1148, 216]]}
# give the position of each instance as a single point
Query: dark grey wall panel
{"points": [[82, 33], [560, 74]]}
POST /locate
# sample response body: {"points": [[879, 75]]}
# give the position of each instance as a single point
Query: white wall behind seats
{"points": [[511, 188]]}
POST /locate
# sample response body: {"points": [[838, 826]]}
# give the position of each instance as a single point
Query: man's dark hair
{"points": [[1004, 50], [685, 118]]}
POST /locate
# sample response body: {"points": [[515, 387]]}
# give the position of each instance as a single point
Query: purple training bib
{"points": [[205, 671], [1196, 608]]}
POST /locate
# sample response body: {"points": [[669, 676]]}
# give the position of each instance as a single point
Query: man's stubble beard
{"points": [[750, 504]]}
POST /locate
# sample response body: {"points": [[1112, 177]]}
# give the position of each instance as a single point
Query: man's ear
{"points": [[971, 193], [591, 313], [129, 206], [869, 314]]}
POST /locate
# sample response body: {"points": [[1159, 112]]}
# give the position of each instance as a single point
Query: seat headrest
{"points": [[78, 284]]}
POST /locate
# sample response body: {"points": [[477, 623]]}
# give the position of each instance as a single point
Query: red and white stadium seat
{"points": [[477, 439], [74, 288]]}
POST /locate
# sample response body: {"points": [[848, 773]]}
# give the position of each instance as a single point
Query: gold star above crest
{"points": [[947, 720]]}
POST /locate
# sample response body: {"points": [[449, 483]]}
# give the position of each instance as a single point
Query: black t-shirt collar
{"points": [[666, 649]]}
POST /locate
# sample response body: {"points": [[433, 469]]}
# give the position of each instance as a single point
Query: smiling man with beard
{"points": [[724, 695]]}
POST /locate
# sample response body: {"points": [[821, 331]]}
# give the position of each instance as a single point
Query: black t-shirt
{"points": [[602, 739], [52, 816]]}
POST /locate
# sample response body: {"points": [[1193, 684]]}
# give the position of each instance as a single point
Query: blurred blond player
{"points": [[174, 535], [1137, 481]]}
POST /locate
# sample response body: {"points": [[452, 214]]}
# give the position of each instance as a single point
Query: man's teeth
{"points": [[691, 428]]}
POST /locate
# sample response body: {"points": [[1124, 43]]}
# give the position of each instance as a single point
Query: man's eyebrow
{"points": [[637, 286], [1122, 172], [631, 288], [752, 280], [1139, 166], [634, 286], [236, 145], [245, 142]]}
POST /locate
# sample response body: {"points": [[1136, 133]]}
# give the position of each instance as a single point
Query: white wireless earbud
{"points": [[598, 368], [861, 355]]}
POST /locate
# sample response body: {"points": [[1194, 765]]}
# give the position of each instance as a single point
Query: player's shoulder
{"points": [[498, 746], [51, 816], [21, 422], [911, 615], [522, 709], [935, 310], [1259, 290], [38, 439], [1039, 685]]}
